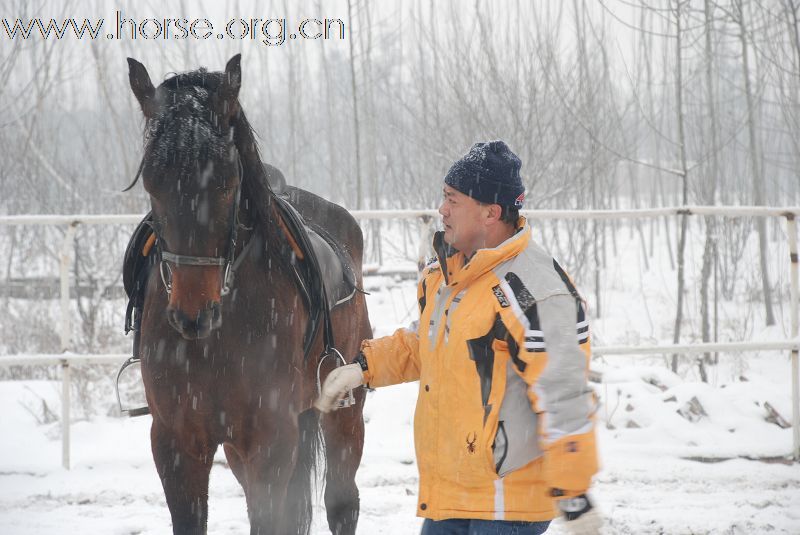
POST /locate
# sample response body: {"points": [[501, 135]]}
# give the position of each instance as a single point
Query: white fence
{"points": [[65, 360]]}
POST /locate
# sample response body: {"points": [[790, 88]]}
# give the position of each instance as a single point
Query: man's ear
{"points": [[493, 213]]}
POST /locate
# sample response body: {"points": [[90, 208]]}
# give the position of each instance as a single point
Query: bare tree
{"points": [[684, 172], [758, 181], [710, 191], [354, 89]]}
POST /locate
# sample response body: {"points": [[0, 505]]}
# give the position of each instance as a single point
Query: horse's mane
{"points": [[186, 125], [256, 190]]}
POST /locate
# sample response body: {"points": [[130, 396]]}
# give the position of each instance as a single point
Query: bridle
{"points": [[229, 261]]}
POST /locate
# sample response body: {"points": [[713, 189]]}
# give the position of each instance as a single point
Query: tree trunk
{"points": [[588, 107], [758, 182], [685, 178], [710, 195], [353, 88], [794, 35]]}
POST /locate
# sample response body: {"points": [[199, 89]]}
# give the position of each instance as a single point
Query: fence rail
{"points": [[635, 213], [66, 359]]}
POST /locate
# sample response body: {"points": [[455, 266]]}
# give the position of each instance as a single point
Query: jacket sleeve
{"points": [[395, 359], [551, 352], [392, 359]]}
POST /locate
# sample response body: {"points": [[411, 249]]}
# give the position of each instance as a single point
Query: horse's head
{"points": [[192, 171]]}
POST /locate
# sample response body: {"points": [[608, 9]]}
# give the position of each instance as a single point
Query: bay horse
{"points": [[246, 382]]}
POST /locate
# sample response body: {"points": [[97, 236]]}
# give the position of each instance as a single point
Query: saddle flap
{"points": [[135, 270], [336, 270], [135, 261]]}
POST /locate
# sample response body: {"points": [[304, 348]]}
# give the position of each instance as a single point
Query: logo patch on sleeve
{"points": [[501, 297]]}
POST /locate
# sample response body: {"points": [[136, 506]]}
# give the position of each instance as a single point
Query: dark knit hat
{"points": [[488, 173]]}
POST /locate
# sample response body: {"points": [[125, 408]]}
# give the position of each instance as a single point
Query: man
{"points": [[504, 428]]}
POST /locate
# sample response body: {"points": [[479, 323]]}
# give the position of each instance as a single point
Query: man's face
{"points": [[463, 219]]}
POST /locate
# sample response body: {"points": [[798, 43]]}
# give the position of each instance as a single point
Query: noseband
{"points": [[229, 261]]}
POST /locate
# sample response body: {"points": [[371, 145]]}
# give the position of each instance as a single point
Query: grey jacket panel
{"points": [[564, 402], [440, 302], [518, 443], [561, 390], [534, 266]]}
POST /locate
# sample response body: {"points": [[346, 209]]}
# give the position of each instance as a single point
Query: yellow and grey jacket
{"points": [[504, 412]]}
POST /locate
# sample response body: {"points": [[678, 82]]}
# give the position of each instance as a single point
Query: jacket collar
{"points": [[452, 261]]}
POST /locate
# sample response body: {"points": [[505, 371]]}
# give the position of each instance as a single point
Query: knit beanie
{"points": [[488, 173]]}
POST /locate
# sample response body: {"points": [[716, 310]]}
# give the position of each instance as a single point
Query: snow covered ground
{"points": [[646, 485], [723, 473]]}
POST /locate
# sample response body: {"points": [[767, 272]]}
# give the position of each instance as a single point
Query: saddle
{"points": [[135, 269], [323, 271], [335, 267]]}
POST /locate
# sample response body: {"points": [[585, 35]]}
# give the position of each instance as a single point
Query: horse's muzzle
{"points": [[200, 326]]}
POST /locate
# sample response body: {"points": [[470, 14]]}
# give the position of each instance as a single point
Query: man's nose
{"points": [[442, 209]]}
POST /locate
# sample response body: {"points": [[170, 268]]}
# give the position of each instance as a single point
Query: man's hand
{"points": [[580, 517], [338, 383]]}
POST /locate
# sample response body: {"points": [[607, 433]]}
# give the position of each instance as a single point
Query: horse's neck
{"points": [[263, 220]]}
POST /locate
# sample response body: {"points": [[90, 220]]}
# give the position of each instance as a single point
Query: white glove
{"points": [[338, 383], [579, 517]]}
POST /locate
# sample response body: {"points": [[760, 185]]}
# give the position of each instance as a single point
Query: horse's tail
{"points": [[299, 498]]}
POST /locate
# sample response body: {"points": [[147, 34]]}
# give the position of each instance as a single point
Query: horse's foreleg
{"points": [[267, 472], [184, 476], [344, 443], [236, 463]]}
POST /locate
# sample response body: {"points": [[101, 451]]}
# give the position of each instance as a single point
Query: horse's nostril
{"points": [[200, 326], [179, 321], [172, 317]]}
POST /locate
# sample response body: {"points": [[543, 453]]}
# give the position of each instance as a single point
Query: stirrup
{"points": [[349, 400], [138, 411]]}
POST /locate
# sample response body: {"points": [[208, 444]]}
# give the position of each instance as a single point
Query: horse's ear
{"points": [[233, 76], [228, 92], [142, 87]]}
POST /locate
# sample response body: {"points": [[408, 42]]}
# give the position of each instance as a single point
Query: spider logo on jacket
{"points": [[471, 443]]}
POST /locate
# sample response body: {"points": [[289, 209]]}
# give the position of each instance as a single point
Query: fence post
{"points": [[65, 386], [65, 263], [791, 227], [426, 234], [66, 331]]}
